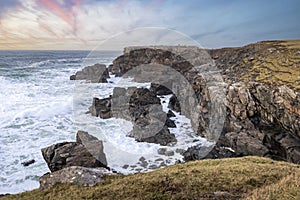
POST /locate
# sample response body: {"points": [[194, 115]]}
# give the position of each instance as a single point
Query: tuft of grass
{"points": [[234, 178]]}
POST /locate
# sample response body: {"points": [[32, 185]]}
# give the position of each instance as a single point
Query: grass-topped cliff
{"points": [[236, 178], [262, 119], [271, 62]]}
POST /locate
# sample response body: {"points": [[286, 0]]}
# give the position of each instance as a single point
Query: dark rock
{"points": [[262, 117], [93, 145], [27, 163], [174, 104], [170, 123], [181, 151], [245, 144], [169, 153], [161, 151], [159, 89], [97, 73], [125, 166], [170, 114], [101, 108], [202, 152], [73, 77], [65, 154], [143, 108], [142, 159], [153, 167], [75, 175], [163, 137]]}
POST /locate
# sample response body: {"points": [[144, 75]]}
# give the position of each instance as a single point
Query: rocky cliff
{"points": [[250, 92]]}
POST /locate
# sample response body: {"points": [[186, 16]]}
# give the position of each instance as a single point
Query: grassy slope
{"points": [[236, 178], [276, 62]]}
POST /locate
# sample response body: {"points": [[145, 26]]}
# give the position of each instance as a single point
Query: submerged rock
{"points": [[27, 163], [78, 175]]}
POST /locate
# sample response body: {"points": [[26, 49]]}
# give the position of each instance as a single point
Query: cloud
{"points": [[7, 4], [82, 24]]}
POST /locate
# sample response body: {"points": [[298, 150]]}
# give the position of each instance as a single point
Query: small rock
{"points": [[170, 114], [170, 123], [142, 159], [27, 163], [180, 151], [125, 166], [159, 160], [153, 167], [161, 151], [169, 153]]}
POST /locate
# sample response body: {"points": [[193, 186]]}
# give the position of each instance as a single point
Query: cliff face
{"points": [[252, 90]]}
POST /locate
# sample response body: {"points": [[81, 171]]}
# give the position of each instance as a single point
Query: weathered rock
{"points": [[101, 108], [246, 144], [170, 123], [170, 114], [261, 105], [162, 137], [159, 89], [97, 73], [143, 108], [78, 175], [203, 152], [174, 104], [65, 154], [93, 145]]}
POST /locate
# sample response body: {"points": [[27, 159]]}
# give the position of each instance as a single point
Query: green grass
{"points": [[236, 178]]}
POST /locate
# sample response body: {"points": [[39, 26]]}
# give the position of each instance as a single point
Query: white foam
{"points": [[45, 108]]}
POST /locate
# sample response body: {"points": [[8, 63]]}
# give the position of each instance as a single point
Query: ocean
{"points": [[41, 106]]}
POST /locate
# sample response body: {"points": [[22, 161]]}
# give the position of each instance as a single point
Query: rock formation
{"points": [[87, 151], [261, 93], [76, 175], [97, 73], [140, 106]]}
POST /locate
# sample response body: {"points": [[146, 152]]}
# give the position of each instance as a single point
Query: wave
{"points": [[45, 112], [51, 62]]}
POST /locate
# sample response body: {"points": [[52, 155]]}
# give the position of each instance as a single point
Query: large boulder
{"points": [[78, 175], [87, 154], [97, 73]]}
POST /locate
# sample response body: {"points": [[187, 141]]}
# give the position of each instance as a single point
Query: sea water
{"points": [[38, 109]]}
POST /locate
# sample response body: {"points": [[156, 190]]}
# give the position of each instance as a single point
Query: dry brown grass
{"points": [[251, 177], [278, 63]]}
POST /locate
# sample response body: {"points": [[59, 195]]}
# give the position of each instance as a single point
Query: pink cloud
{"points": [[66, 12]]}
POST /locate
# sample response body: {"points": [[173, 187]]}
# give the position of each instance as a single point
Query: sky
{"points": [[84, 24]]}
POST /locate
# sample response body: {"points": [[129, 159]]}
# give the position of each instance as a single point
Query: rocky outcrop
{"points": [[260, 87], [78, 175], [87, 151], [160, 89], [203, 152], [97, 73], [140, 106]]}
